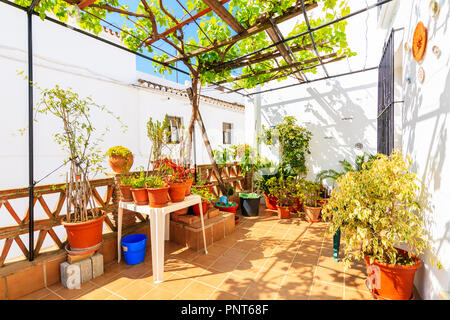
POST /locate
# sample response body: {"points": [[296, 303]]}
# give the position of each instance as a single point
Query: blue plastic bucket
{"points": [[134, 248]]}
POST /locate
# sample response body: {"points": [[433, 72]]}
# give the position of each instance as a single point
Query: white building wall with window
{"points": [[105, 73]]}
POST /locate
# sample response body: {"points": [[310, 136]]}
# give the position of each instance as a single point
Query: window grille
{"points": [[226, 133]]}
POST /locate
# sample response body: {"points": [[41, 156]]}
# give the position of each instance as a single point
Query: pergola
{"points": [[252, 47]]}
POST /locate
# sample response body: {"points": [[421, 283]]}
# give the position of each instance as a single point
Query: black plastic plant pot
{"points": [[249, 204]]}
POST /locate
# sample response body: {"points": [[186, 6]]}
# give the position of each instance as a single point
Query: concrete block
{"points": [[97, 265], [70, 275], [85, 269]]}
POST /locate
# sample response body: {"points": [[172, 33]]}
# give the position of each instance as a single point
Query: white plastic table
{"points": [[159, 228]]}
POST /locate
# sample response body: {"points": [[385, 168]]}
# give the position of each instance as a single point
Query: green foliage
{"points": [[376, 210], [286, 189], [293, 141], [312, 194], [138, 181], [78, 135], [154, 182], [333, 175], [247, 13], [157, 133], [118, 151], [203, 192], [125, 180]]}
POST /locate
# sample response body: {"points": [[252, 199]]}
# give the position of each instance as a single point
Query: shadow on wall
{"points": [[430, 158], [324, 115]]}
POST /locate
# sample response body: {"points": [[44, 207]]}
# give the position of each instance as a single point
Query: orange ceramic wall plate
{"points": [[419, 41]]}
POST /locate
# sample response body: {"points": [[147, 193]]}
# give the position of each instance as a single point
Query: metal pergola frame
{"points": [[281, 43]]}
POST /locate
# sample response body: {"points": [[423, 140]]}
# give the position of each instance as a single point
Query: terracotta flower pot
{"points": [[196, 208], [188, 186], [177, 191], [392, 282], [121, 164], [125, 193], [283, 212], [84, 235], [157, 198], [271, 202], [140, 196], [312, 214]]}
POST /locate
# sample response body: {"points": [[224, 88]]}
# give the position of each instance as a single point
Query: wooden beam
{"points": [[182, 24], [225, 15], [275, 37], [85, 3], [262, 26], [289, 66], [290, 73], [261, 58]]}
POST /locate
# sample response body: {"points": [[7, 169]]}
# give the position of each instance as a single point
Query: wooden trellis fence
{"points": [[231, 173]]}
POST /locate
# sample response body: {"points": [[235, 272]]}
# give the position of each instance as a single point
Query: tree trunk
{"points": [[193, 94]]}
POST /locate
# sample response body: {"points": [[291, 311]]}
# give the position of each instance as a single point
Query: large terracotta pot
{"points": [[271, 202], [196, 208], [312, 214], [284, 212], [84, 235], [121, 164], [391, 282], [125, 193], [188, 186], [140, 196], [158, 198], [177, 191]]}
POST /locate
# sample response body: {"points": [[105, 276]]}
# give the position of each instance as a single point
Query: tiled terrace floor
{"points": [[265, 258]]}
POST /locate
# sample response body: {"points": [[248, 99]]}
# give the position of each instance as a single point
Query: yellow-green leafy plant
{"points": [[377, 210], [118, 151]]}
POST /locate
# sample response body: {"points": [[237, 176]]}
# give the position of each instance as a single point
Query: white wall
{"points": [[91, 68], [426, 124], [321, 106]]}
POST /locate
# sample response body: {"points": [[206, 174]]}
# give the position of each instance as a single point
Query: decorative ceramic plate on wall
{"points": [[419, 41]]}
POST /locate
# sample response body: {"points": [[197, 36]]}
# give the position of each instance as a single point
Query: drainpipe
{"points": [[31, 181]]}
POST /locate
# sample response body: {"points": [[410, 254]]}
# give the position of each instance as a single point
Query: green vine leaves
{"points": [[153, 17]]}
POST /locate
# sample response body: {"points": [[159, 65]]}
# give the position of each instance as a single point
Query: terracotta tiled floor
{"points": [[265, 258]]}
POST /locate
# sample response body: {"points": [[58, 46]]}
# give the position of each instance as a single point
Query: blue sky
{"points": [[145, 65]]}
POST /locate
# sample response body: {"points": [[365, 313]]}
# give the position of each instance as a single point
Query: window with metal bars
{"points": [[174, 129], [226, 130], [385, 118]]}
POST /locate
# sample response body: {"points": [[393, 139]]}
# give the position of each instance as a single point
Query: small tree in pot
{"points": [[282, 188], [312, 206], [377, 211], [84, 221]]}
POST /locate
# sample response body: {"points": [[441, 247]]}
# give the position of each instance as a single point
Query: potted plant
{"points": [[298, 194], [83, 222], [377, 211], [120, 159], [176, 181], [281, 188], [157, 191], [138, 189], [312, 207], [293, 142], [189, 178], [249, 163], [229, 206], [206, 196], [125, 188]]}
